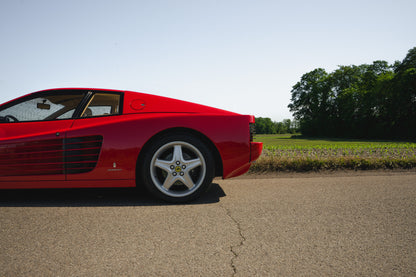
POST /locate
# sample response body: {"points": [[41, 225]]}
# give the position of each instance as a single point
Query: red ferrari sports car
{"points": [[73, 138]]}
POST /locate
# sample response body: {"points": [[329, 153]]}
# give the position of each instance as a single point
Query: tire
{"points": [[177, 168]]}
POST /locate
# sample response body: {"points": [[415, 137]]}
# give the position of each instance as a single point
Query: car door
{"points": [[32, 135], [98, 151]]}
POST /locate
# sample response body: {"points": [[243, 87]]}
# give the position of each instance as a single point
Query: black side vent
{"points": [[81, 154], [41, 157]]}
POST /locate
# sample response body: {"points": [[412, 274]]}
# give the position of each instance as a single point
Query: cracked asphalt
{"points": [[299, 225]]}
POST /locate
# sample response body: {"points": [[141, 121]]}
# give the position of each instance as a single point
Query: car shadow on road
{"points": [[97, 197]]}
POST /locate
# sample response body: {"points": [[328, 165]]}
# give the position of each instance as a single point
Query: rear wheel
{"points": [[177, 168]]}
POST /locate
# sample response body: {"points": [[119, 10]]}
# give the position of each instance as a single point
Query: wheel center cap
{"points": [[178, 169]]}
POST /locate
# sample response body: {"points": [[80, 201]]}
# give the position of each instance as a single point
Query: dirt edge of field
{"points": [[328, 173]]}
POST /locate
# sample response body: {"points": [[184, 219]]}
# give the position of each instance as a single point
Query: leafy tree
{"points": [[408, 62], [368, 100], [265, 125], [310, 101]]}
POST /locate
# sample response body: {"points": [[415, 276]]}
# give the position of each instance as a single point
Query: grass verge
{"points": [[301, 164], [283, 153]]}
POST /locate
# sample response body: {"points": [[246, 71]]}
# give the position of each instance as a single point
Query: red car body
{"points": [[105, 150]]}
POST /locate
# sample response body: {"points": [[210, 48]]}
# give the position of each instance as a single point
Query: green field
{"points": [[289, 140], [294, 153]]}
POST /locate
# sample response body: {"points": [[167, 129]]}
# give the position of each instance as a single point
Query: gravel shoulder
{"points": [[327, 173]]}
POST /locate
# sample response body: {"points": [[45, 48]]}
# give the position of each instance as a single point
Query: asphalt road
{"points": [[302, 225]]}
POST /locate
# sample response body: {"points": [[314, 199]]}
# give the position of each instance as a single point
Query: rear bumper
{"points": [[255, 150]]}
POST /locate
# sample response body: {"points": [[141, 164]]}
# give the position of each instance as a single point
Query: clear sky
{"points": [[242, 56]]}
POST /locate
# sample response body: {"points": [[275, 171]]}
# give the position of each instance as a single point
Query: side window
{"points": [[102, 104], [46, 107]]}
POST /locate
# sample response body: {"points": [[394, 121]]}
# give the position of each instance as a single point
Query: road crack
{"points": [[233, 248]]}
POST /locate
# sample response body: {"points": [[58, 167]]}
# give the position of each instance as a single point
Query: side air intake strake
{"points": [[50, 156], [81, 153]]}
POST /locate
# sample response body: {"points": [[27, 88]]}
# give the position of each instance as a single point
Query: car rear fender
{"points": [[188, 131]]}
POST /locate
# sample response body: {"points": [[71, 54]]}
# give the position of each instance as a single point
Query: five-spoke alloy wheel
{"points": [[177, 168]]}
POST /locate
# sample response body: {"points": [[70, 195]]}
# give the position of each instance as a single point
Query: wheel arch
{"points": [[217, 157]]}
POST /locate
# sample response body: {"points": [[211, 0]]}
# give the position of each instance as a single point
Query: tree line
{"points": [[375, 100], [265, 125]]}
